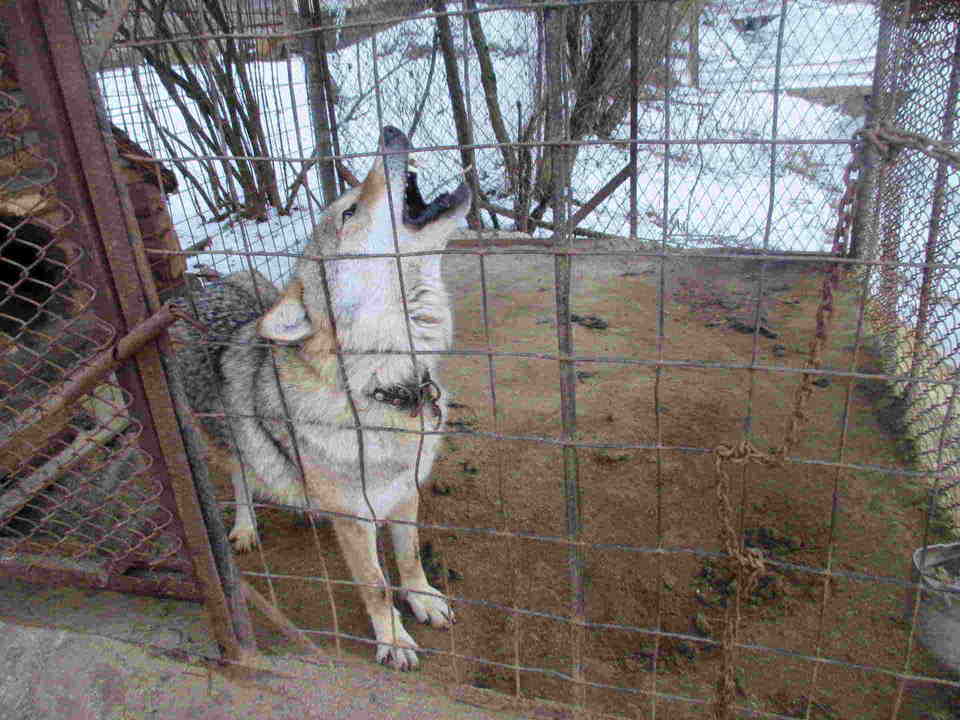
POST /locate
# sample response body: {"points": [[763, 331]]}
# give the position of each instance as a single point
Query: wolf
{"points": [[258, 356]]}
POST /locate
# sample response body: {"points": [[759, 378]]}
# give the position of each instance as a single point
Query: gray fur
{"points": [[270, 427]]}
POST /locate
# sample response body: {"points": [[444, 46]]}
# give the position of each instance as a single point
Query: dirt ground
{"points": [[864, 522]]}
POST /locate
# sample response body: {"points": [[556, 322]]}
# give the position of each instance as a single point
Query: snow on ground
{"points": [[718, 192]]}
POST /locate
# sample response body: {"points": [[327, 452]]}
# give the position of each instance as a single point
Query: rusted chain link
{"points": [[824, 316], [889, 142], [747, 564]]}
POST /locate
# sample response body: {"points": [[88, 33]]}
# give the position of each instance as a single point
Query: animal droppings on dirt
{"points": [[589, 321], [653, 498], [604, 458], [771, 541], [435, 568], [440, 489], [822, 382], [702, 626], [748, 325], [797, 707], [469, 468], [676, 654], [773, 585], [582, 376], [482, 679], [639, 661]]}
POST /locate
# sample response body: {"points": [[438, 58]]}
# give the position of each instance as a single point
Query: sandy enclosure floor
{"points": [[858, 521]]}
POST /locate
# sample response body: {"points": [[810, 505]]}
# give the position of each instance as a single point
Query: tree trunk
{"points": [[489, 79], [457, 104], [313, 48]]}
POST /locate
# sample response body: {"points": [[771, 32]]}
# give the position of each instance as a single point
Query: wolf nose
{"points": [[393, 136]]}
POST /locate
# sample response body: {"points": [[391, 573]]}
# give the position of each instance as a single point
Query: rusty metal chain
{"points": [[824, 315], [891, 141], [747, 564]]}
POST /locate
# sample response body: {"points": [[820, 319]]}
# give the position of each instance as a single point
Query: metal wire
{"points": [[81, 501], [905, 289]]}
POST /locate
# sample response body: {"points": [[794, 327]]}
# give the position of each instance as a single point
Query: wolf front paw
{"points": [[400, 651], [430, 607], [243, 539]]}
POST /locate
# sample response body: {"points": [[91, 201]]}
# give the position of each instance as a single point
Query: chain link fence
{"points": [[76, 487], [670, 480], [399, 72], [86, 495], [914, 312]]}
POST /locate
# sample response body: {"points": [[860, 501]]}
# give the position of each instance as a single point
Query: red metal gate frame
{"points": [[50, 64]]}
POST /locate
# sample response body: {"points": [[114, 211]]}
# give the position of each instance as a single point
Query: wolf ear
{"points": [[287, 321]]}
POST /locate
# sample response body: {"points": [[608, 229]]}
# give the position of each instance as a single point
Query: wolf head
{"points": [[383, 214]]}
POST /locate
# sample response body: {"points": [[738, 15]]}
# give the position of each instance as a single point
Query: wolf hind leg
{"points": [[244, 533], [428, 604], [358, 540]]}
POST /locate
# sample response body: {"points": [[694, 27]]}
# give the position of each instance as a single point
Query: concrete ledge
{"points": [[163, 669]]}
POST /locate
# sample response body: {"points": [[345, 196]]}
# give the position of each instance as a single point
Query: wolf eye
{"points": [[349, 212]]}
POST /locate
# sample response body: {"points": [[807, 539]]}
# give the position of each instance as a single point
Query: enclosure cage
{"points": [[699, 456]]}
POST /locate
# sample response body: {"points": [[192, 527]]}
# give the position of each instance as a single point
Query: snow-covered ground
{"points": [[720, 190]]}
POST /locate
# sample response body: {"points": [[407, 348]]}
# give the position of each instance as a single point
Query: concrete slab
{"points": [[69, 654]]}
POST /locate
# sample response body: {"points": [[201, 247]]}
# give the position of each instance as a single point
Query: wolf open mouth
{"points": [[418, 213]]}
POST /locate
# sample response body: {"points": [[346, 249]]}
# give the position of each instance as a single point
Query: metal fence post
{"points": [[863, 242], [555, 133], [931, 277]]}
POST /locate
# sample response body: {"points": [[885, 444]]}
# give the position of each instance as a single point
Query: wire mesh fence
{"points": [[87, 496], [665, 473], [77, 489], [712, 122], [917, 224]]}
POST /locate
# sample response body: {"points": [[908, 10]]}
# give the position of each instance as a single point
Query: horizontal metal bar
{"points": [[52, 415], [619, 360], [599, 445], [640, 252], [944, 682], [667, 142], [816, 572], [48, 570], [430, 15]]}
